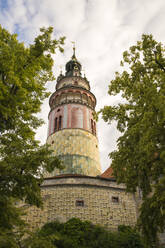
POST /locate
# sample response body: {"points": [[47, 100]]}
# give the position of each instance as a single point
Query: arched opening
{"points": [[84, 98], [90, 101], [94, 127], [55, 124], [63, 98], [57, 100], [91, 125], [93, 104], [60, 122], [77, 96], [70, 96]]}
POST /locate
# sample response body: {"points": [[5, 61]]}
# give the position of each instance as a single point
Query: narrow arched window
{"points": [[60, 122], [92, 125], [55, 124]]}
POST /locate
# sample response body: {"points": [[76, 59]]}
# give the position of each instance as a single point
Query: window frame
{"points": [[115, 199], [79, 203]]}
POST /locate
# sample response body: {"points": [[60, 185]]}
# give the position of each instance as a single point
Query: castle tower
{"points": [[72, 129], [78, 192]]}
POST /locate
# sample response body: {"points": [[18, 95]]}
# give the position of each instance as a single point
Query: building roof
{"points": [[107, 173]]}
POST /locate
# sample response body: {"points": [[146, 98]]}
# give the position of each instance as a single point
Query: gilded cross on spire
{"points": [[61, 69], [74, 48]]}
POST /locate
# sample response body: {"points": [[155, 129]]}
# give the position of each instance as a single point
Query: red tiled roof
{"points": [[107, 173]]}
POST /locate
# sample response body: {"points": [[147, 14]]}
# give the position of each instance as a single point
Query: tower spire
{"points": [[73, 67], [60, 69], [74, 49], [72, 128]]}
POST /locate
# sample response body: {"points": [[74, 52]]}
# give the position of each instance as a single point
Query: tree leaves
{"points": [[76, 233], [139, 161], [24, 72]]}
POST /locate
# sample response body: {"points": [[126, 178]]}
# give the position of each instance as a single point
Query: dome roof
{"points": [[73, 65]]}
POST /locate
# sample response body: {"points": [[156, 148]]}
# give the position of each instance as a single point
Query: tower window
{"points": [[60, 122], [115, 199], [79, 203], [58, 110], [92, 127], [55, 124]]}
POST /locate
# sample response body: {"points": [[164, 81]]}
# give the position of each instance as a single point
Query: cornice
{"points": [[77, 77], [69, 102], [72, 87]]}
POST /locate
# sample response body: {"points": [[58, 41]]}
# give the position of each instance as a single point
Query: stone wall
{"points": [[98, 200]]}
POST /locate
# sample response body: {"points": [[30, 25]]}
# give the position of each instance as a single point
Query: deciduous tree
{"points": [[83, 234], [24, 72], [139, 160]]}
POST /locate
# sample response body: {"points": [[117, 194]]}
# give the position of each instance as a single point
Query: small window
{"points": [[79, 203], [60, 121], [55, 125], [115, 199], [92, 125], [58, 110], [94, 128]]}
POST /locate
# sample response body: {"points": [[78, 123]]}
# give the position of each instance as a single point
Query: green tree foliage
{"points": [[140, 158], [24, 72], [83, 234]]}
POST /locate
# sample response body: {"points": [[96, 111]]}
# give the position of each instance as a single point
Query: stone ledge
{"points": [[82, 180]]}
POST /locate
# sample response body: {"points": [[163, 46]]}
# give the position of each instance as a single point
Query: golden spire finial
{"points": [[74, 48], [60, 69]]}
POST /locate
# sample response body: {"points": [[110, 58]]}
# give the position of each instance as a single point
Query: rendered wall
{"points": [[78, 149], [73, 116]]}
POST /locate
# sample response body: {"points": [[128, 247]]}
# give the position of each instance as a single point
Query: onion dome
{"points": [[73, 67]]}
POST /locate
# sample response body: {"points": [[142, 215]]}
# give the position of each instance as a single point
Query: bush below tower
{"points": [[83, 234]]}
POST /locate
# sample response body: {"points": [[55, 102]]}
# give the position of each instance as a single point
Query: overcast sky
{"points": [[102, 30]]}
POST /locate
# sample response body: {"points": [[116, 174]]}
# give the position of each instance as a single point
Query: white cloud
{"points": [[102, 30]]}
